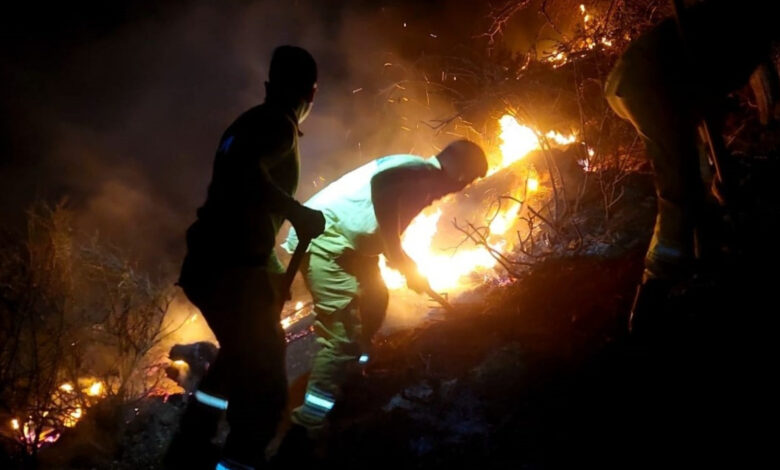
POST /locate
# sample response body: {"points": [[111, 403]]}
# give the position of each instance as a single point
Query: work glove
{"points": [[719, 191], [308, 223], [414, 280]]}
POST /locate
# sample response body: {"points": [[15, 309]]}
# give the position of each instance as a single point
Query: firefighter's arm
{"points": [[308, 223], [387, 192], [278, 141]]}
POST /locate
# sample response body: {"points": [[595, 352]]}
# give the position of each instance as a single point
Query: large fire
{"points": [[445, 270], [448, 271]]}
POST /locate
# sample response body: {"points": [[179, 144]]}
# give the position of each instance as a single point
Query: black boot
{"points": [[192, 446], [649, 313], [297, 449]]}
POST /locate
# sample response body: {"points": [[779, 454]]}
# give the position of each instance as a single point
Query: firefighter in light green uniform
{"points": [[366, 211]]}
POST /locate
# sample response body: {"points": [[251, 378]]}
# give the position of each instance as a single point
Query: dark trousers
{"points": [[242, 308], [657, 101]]}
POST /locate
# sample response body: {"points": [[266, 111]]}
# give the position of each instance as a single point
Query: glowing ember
{"points": [[71, 408], [560, 56], [48, 436], [72, 418], [585, 16], [29, 432], [558, 59], [299, 312], [34, 436], [95, 390]]}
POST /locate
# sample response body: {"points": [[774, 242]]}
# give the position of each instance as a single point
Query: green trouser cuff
{"points": [[342, 296], [316, 406]]}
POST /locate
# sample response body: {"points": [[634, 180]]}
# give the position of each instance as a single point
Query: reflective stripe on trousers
{"points": [[231, 465], [317, 404], [212, 401]]}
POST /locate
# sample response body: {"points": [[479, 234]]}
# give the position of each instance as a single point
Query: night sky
{"points": [[118, 105]]}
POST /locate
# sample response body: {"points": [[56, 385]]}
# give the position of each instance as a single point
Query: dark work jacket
{"points": [[238, 223], [725, 41]]}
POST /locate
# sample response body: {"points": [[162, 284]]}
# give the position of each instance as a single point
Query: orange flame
{"points": [[96, 389], [73, 417], [447, 271]]}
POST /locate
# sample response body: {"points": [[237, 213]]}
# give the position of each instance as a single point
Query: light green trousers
{"points": [[350, 301]]}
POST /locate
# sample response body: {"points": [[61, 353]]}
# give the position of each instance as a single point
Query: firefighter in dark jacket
{"points": [[665, 83], [230, 271]]}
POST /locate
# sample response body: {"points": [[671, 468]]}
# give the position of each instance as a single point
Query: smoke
{"points": [[122, 116], [119, 108]]}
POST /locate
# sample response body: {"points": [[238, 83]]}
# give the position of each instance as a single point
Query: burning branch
{"points": [[479, 235], [500, 16]]}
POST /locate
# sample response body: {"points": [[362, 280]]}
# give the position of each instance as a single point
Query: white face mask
{"points": [[305, 112], [308, 105]]}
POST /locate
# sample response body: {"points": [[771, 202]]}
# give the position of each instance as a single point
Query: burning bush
{"points": [[78, 324]]}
